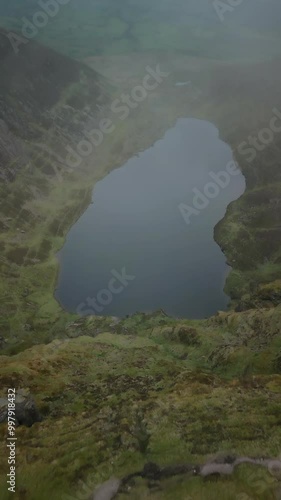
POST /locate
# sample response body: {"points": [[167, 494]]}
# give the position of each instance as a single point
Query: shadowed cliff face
{"points": [[47, 101], [33, 82]]}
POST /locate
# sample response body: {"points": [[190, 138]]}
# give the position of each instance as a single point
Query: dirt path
{"points": [[218, 467]]}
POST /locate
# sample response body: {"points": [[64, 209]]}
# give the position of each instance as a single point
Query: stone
{"points": [[107, 490], [26, 412]]}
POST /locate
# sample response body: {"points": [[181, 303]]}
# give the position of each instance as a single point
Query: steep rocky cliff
{"points": [[42, 93], [47, 104]]}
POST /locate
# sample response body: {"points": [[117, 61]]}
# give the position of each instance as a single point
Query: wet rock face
{"points": [[26, 412]]}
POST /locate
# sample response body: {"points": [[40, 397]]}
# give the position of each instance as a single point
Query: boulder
{"points": [[107, 490], [26, 412]]}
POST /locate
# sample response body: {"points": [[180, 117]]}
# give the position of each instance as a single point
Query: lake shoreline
{"points": [[142, 166], [162, 112]]}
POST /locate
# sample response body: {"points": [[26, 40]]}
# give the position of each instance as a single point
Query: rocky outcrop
{"points": [[107, 490], [217, 467], [26, 412]]}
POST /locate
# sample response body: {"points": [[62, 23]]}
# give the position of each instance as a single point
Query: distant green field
{"points": [[86, 29]]}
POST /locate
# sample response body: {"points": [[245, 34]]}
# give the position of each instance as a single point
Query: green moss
{"points": [[124, 400]]}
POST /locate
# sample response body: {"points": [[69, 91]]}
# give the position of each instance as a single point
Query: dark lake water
{"points": [[133, 250]]}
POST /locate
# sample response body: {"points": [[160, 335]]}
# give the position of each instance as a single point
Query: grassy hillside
{"points": [[45, 198], [117, 395], [151, 389]]}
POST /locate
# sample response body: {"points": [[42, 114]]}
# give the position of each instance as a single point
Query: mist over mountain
{"points": [[84, 27]]}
